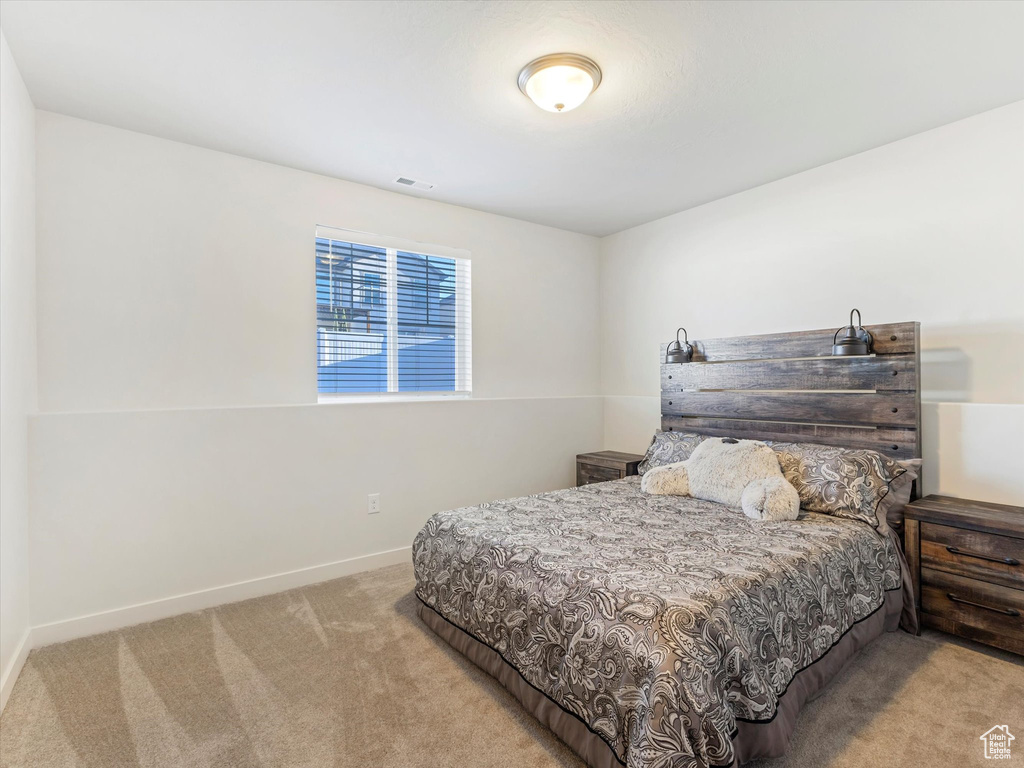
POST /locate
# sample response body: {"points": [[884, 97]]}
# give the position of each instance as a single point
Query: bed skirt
{"points": [[752, 739]]}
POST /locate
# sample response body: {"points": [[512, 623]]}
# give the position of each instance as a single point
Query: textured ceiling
{"points": [[699, 99]]}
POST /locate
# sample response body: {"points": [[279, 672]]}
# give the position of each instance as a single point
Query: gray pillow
{"points": [[899, 493], [668, 448], [842, 482]]}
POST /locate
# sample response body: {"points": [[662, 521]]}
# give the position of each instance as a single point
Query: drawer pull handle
{"points": [[1004, 611], [1003, 560]]}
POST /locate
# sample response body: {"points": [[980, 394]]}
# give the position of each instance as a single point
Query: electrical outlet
{"points": [[373, 503]]}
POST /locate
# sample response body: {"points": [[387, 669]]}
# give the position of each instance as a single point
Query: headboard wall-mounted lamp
{"points": [[855, 341], [679, 352]]}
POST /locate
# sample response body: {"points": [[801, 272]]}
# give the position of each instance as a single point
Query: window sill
{"points": [[396, 397]]}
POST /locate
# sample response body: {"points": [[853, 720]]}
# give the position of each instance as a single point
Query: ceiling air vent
{"points": [[413, 183]]}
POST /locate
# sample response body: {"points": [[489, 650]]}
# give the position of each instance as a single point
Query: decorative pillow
{"points": [[737, 473], [669, 448], [891, 508], [843, 482]]}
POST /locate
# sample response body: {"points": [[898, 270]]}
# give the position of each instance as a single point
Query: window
{"points": [[392, 317]]}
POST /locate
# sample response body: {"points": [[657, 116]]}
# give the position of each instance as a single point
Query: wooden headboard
{"points": [[788, 386]]}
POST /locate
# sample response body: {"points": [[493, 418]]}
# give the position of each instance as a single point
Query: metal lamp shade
{"points": [[679, 351], [855, 341]]}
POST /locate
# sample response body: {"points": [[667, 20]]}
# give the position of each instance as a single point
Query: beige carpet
{"points": [[344, 674]]}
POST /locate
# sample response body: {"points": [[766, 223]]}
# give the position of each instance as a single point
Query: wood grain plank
{"points": [[1002, 519], [889, 339], [975, 603], [743, 386], [973, 554], [916, 489], [877, 372], [619, 456], [912, 550], [890, 409], [941, 623], [898, 443], [592, 473]]}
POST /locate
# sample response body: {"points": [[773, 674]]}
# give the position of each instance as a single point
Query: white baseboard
{"points": [[96, 623], [10, 675]]}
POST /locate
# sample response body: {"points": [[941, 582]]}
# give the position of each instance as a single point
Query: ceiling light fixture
{"points": [[560, 81]]}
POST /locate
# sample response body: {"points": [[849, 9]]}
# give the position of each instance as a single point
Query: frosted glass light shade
{"points": [[559, 82]]}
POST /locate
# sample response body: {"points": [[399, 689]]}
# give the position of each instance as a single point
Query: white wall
{"points": [[929, 228], [132, 507], [175, 277], [180, 448], [17, 359]]}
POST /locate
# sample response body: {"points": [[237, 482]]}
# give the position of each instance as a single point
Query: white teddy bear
{"points": [[737, 473]]}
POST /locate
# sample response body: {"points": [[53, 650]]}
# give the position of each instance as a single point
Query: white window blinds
{"points": [[391, 316]]}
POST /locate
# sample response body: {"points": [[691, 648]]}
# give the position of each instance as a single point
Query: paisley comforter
{"points": [[658, 621]]}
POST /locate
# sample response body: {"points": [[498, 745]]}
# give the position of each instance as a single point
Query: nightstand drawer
{"points": [[973, 554], [951, 602], [591, 473]]}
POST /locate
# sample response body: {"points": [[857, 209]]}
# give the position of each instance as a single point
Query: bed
{"points": [[668, 632]]}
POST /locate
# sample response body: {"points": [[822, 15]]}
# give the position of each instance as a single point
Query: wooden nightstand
{"points": [[605, 465], [967, 562]]}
